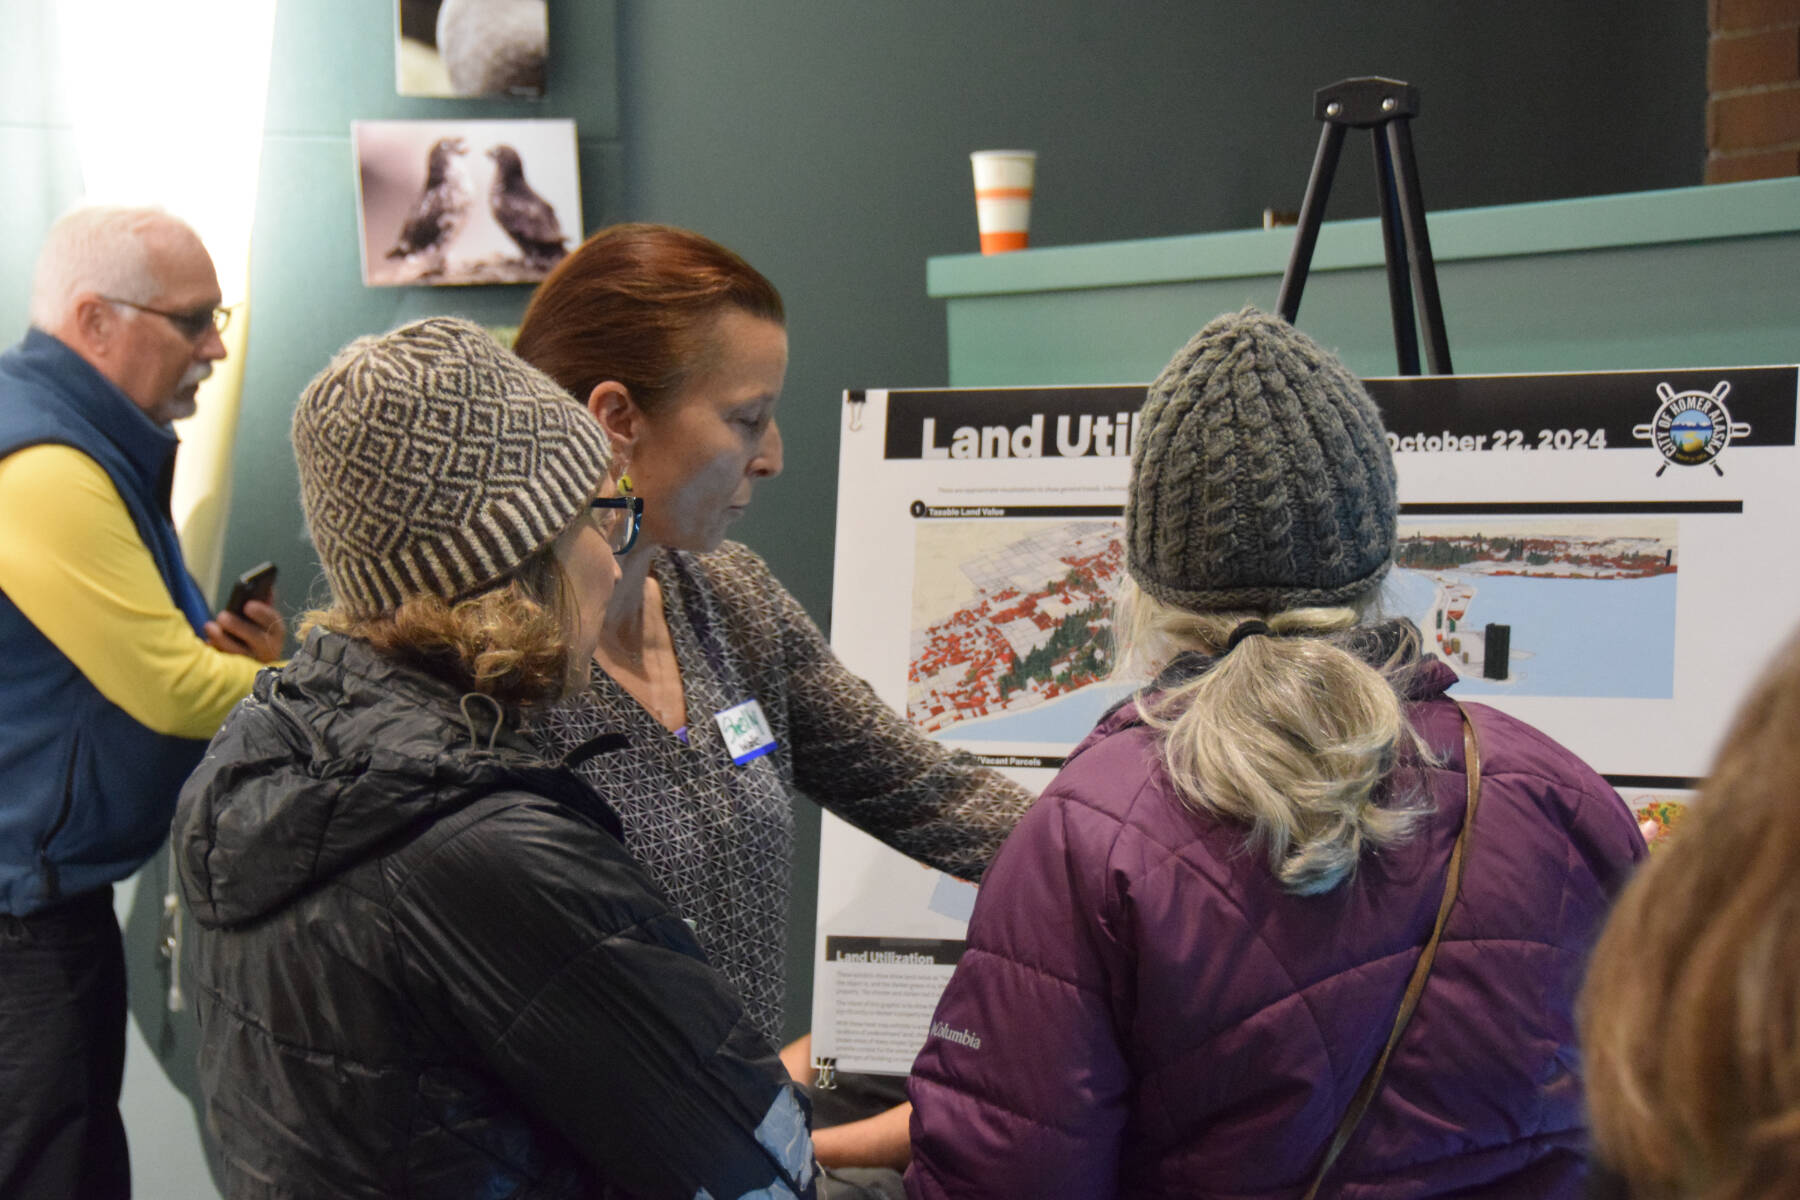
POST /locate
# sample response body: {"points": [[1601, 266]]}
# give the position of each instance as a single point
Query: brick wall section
{"points": [[1748, 59], [1753, 81]]}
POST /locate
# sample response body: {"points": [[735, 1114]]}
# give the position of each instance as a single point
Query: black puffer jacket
{"points": [[426, 966]]}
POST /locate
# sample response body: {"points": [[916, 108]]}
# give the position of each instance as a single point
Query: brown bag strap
{"points": [[1371, 1083]]}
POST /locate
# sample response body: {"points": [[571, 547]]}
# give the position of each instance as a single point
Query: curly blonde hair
{"points": [[510, 641], [1291, 735]]}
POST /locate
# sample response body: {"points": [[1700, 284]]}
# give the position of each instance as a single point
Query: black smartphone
{"points": [[258, 583]]}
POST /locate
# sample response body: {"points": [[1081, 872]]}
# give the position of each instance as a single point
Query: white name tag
{"points": [[746, 731]]}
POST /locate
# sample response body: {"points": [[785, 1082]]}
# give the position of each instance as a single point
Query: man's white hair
{"points": [[104, 249]]}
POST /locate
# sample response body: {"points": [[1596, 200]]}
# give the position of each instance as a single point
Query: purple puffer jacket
{"points": [[1142, 1011]]}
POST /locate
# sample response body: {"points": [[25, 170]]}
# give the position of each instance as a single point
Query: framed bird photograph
{"points": [[449, 203], [471, 47]]}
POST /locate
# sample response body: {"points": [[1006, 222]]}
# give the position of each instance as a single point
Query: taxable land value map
{"points": [[1012, 628]]}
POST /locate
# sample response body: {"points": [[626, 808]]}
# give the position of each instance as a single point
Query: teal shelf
{"points": [[1691, 277], [1768, 206]]}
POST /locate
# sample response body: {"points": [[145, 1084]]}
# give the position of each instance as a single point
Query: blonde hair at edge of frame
{"points": [[1690, 1017], [510, 641], [1292, 735]]}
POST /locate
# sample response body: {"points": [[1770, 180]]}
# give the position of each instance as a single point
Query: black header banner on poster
{"points": [[1690, 416], [1672, 783], [895, 951], [953, 424], [1600, 410], [1574, 508]]}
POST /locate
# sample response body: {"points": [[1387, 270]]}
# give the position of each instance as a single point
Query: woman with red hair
{"points": [[733, 702]]}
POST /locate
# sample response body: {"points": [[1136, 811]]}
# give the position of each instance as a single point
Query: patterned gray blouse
{"points": [[718, 837]]}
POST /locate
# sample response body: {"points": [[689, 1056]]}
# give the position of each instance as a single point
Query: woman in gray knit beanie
{"points": [[1260, 519], [426, 964], [1186, 970]]}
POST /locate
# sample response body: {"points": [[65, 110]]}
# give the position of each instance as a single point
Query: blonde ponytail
{"points": [[1290, 734]]}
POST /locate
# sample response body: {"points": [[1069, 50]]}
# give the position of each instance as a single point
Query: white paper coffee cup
{"points": [[1003, 183]]}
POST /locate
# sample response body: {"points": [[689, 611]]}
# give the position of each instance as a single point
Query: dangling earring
{"points": [[624, 485]]}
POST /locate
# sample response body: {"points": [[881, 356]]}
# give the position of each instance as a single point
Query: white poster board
{"points": [[1604, 555]]}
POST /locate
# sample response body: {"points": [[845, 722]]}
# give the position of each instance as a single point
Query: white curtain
{"points": [[168, 99]]}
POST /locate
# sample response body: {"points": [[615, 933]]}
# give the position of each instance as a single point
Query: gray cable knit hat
{"points": [[433, 461], [1261, 479]]}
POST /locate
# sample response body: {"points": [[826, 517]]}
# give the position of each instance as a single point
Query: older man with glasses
{"points": [[115, 673]]}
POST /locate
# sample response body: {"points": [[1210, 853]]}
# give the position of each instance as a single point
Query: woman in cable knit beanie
{"points": [[426, 965], [1186, 968]]}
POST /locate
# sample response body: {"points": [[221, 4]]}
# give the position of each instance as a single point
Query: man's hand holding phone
{"points": [[249, 624]]}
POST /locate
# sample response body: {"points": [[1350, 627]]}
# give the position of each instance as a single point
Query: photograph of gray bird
{"points": [[528, 219], [438, 214]]}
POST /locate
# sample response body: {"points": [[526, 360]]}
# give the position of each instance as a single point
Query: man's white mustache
{"points": [[194, 376]]}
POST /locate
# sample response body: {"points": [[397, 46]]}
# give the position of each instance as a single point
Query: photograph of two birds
{"points": [[460, 202], [467, 202]]}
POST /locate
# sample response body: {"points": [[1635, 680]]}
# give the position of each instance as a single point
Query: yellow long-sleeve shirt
{"points": [[72, 560]]}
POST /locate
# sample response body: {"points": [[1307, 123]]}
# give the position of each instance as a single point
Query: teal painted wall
{"points": [[827, 142]]}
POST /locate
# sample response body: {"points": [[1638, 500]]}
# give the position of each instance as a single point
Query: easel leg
{"points": [[1418, 239], [1394, 244], [1312, 215]]}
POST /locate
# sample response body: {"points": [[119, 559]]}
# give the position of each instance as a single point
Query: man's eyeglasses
{"points": [[191, 322], [619, 518]]}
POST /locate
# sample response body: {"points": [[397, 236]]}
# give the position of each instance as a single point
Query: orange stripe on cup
{"points": [[1003, 185]]}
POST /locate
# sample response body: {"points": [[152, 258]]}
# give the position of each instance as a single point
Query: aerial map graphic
{"points": [[1555, 607], [1011, 619], [1011, 628]]}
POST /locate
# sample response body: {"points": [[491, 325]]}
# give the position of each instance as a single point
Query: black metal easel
{"points": [[1384, 107]]}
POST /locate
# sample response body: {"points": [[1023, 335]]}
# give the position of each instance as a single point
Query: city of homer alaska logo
{"points": [[1691, 429]]}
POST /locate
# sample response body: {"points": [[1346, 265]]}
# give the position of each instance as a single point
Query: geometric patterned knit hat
{"points": [[433, 461], [1261, 479]]}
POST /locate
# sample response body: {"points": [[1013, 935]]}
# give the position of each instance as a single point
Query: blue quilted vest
{"points": [[86, 792]]}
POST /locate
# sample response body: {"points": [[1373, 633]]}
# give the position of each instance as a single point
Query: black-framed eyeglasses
{"points": [[621, 530], [191, 322]]}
